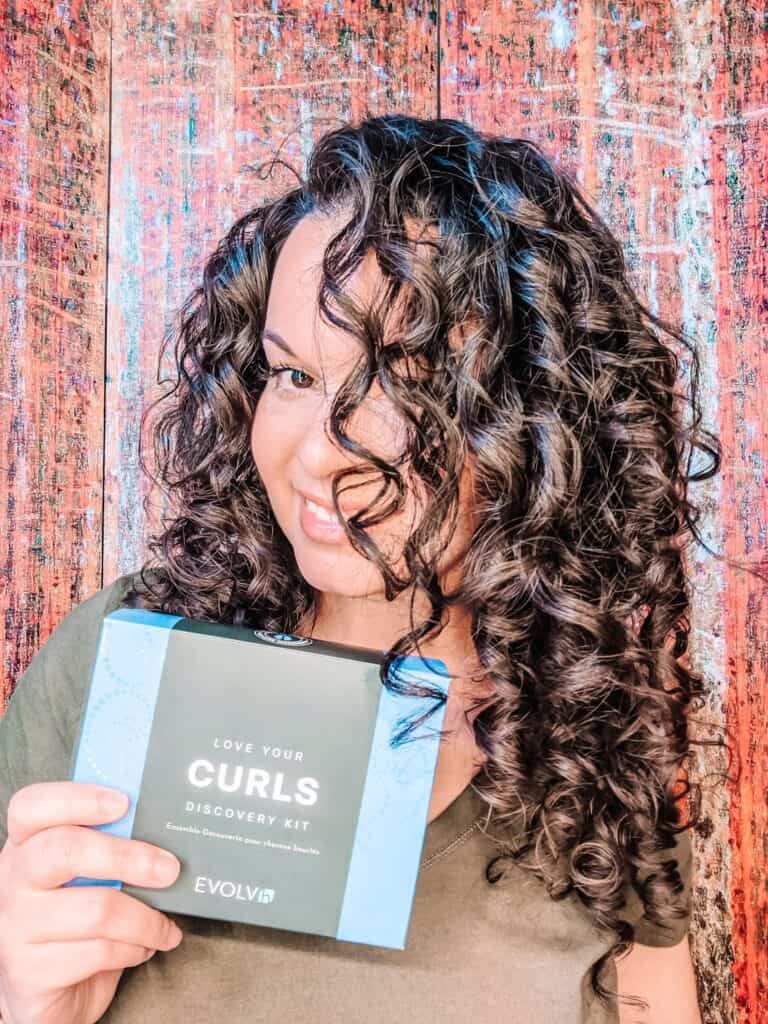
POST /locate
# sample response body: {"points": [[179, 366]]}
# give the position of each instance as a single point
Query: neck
{"points": [[378, 624]]}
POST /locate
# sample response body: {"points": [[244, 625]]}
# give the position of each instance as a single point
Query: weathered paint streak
{"points": [[200, 94], [649, 106], [657, 109], [54, 134], [739, 132]]}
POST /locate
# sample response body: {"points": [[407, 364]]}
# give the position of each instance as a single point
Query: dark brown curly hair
{"points": [[566, 397]]}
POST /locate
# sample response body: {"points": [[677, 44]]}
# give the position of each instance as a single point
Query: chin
{"points": [[336, 568]]}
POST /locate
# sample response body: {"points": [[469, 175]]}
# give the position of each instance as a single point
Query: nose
{"points": [[373, 425], [318, 452]]}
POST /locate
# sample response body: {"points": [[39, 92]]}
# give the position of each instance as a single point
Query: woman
{"points": [[419, 408]]}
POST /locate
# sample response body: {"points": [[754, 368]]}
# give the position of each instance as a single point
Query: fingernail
{"points": [[114, 803], [166, 865]]}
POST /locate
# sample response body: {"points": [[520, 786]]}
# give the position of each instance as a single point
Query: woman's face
{"points": [[294, 455]]}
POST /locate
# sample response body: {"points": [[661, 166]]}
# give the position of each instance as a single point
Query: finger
{"points": [[63, 964], [90, 912], [45, 804], [55, 856]]}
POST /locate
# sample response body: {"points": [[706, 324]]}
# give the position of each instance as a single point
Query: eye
{"points": [[275, 371]]}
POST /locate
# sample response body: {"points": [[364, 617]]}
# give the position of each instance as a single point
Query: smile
{"points": [[322, 513], [320, 524]]}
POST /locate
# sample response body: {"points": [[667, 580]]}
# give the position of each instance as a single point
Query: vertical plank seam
{"points": [[106, 302], [439, 58]]}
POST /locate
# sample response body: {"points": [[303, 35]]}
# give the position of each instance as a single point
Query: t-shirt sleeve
{"points": [[647, 933], [41, 722]]}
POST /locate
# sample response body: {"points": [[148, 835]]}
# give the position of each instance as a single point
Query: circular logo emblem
{"points": [[284, 639]]}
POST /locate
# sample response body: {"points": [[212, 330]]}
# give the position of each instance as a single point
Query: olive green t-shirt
{"points": [[475, 951]]}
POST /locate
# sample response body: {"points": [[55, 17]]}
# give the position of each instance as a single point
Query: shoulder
{"points": [[81, 623], [71, 646], [41, 719], [52, 690], [93, 608]]}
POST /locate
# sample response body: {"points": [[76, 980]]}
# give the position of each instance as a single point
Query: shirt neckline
{"points": [[453, 821]]}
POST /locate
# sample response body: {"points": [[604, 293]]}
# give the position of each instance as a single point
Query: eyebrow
{"points": [[269, 335]]}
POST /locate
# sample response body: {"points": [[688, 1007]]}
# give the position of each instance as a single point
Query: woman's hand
{"points": [[63, 950]]}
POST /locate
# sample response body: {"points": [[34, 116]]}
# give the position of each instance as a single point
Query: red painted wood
{"points": [[660, 112], [54, 133], [739, 137], [201, 93]]}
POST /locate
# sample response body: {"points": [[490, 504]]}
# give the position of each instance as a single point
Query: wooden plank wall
{"points": [[54, 148], [126, 135]]}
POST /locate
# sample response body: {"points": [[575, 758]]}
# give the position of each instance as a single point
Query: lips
{"points": [[317, 527], [326, 503], [322, 502], [320, 510]]}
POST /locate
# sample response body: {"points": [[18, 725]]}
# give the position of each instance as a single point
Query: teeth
{"points": [[322, 513]]}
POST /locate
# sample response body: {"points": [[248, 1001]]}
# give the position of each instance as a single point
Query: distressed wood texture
{"points": [[54, 136], [200, 93], [658, 109], [660, 112], [739, 127]]}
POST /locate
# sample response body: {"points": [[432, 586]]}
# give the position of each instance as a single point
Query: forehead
{"points": [[293, 309]]}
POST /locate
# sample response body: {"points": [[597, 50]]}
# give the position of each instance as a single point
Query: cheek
{"points": [[270, 443]]}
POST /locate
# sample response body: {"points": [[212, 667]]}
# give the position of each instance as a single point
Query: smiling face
{"points": [[290, 446]]}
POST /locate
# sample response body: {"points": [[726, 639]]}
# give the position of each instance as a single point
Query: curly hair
{"points": [[565, 395]]}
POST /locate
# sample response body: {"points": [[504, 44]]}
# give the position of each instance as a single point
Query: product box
{"points": [[268, 763]]}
